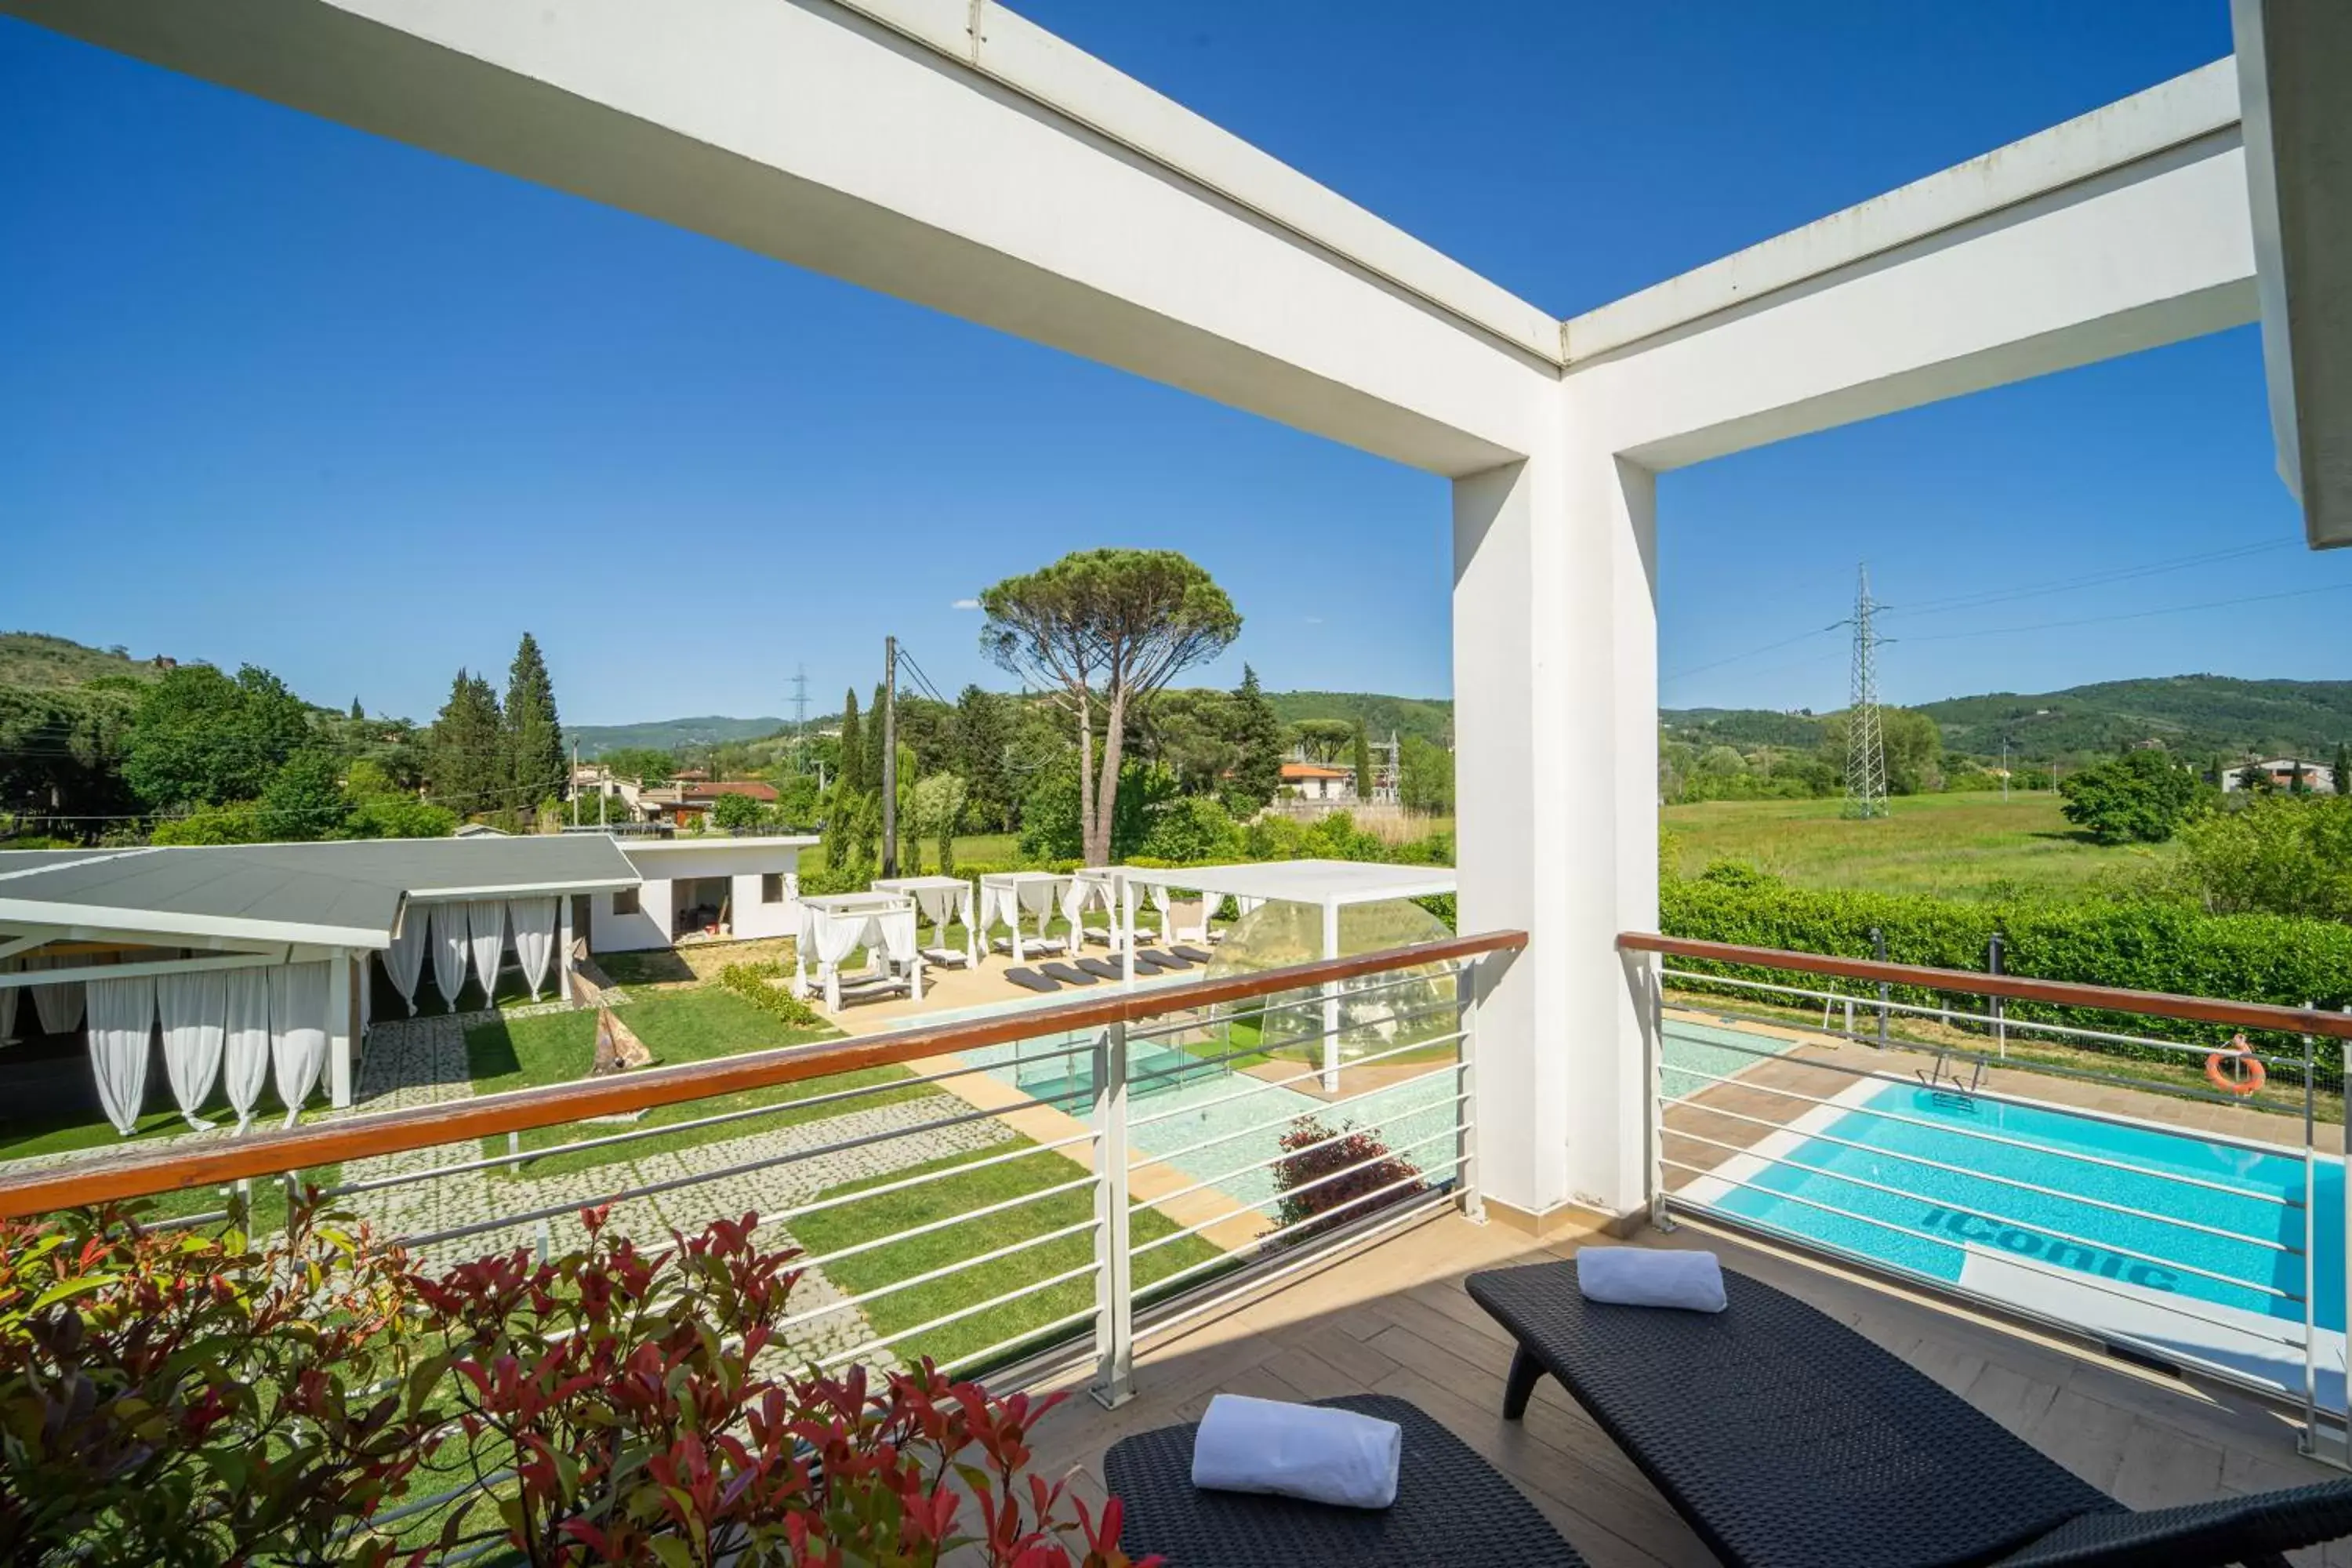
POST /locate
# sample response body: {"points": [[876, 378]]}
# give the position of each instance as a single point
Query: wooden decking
{"points": [[1393, 1319]]}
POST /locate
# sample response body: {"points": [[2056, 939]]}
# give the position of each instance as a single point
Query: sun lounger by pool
{"points": [[1451, 1506], [1194, 954], [1100, 969], [1161, 959], [1785, 1438], [1030, 980], [1066, 974]]}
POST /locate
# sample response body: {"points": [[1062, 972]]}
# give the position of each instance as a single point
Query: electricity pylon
{"points": [[1866, 741]]}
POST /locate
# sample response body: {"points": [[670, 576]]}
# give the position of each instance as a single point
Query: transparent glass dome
{"points": [[1377, 1012]]}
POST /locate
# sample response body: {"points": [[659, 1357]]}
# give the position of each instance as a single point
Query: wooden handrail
{"points": [[139, 1173], [2014, 987]]}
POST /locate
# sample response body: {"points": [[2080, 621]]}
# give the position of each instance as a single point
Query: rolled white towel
{"points": [[1649, 1277], [1297, 1450]]}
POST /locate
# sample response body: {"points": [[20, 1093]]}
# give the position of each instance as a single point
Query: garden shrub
{"points": [[751, 981], [1311, 1206], [2140, 944]]}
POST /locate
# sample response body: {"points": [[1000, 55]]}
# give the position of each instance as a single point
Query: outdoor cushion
{"points": [[1164, 959], [1067, 975], [1031, 979], [1451, 1508], [1100, 969], [1194, 954], [1788, 1440]]}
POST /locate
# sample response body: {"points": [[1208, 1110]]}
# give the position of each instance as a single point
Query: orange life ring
{"points": [[2218, 1074]]}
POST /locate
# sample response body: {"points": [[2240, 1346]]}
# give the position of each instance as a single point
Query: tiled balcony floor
{"points": [[1394, 1319]]}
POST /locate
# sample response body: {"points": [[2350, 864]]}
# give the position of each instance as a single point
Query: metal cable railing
{"points": [[2061, 1189], [945, 1211]]}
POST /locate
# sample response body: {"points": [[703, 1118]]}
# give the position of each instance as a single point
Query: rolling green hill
{"points": [[2196, 715], [36, 661], [669, 734], [1431, 717]]}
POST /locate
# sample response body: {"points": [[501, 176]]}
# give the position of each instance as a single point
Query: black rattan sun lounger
{"points": [[1451, 1508], [1031, 979], [1164, 959], [1786, 1439], [1066, 974], [1101, 969], [1196, 955]]}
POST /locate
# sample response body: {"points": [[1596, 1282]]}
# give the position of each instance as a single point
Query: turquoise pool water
{"points": [[1943, 1215], [1199, 1112]]}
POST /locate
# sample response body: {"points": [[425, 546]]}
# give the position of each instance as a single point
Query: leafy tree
{"points": [[239, 822], [533, 735], [641, 763], [980, 742], [735, 812], [61, 756], [304, 801], [358, 712], [1912, 741], [1361, 760], [399, 816], [1194, 734], [466, 751], [852, 746], [797, 801], [1053, 818], [2142, 797], [936, 810], [2341, 771], [1427, 775], [1106, 629], [2255, 779], [1322, 739], [1192, 830], [2283, 855], [1258, 736], [199, 738], [2297, 783]]}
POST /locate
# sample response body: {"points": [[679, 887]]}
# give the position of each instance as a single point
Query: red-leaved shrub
{"points": [[1315, 1197]]}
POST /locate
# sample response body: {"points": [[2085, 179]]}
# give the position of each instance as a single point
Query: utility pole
{"points": [[800, 719], [1865, 742], [889, 756]]}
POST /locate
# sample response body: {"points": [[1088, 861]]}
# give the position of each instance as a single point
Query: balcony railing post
{"points": [[1468, 1190], [1114, 1286], [1653, 1090]]}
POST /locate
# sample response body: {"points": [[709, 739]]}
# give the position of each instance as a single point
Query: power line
{"points": [[2091, 580], [2134, 615]]}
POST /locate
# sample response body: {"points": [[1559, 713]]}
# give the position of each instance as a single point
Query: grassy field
{"points": [[887, 1214], [1960, 846], [971, 849], [682, 1024]]}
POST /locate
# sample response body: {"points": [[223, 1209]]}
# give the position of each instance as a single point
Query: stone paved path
{"points": [[422, 1061]]}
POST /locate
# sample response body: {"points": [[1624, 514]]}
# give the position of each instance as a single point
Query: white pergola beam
{"points": [[807, 132], [19, 978]]}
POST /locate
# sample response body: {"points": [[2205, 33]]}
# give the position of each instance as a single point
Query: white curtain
{"points": [[58, 1006], [1038, 899], [1077, 896], [942, 904], [195, 1026], [835, 936], [298, 1031], [403, 961], [534, 937], [449, 951], [895, 930], [7, 1007], [486, 920], [121, 1020], [246, 1054]]}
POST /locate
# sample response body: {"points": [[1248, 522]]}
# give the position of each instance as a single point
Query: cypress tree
{"points": [[465, 748], [359, 712], [872, 766], [852, 746], [2343, 768], [534, 736], [1257, 773], [1363, 762]]}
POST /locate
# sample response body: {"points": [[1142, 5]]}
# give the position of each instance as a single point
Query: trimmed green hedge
{"points": [[2139, 945]]}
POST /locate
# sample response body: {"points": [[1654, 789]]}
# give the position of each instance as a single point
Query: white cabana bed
{"points": [[1329, 885], [251, 961], [940, 900], [1006, 896], [835, 925]]}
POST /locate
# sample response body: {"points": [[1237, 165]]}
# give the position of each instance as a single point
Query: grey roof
{"points": [[339, 893]]}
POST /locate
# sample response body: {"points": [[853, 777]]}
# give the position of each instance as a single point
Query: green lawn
{"points": [[889, 1212], [1964, 846], [689, 1023], [971, 849]]}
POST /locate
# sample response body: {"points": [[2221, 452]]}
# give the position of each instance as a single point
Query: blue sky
{"points": [[275, 391]]}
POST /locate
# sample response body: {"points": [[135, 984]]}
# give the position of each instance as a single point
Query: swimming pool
{"points": [[2024, 1204]]}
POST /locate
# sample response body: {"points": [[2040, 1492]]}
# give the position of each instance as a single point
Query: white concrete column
{"points": [[563, 948], [340, 1003], [1555, 687]]}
